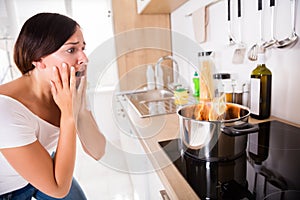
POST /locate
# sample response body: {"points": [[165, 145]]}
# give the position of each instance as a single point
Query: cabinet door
{"points": [[145, 181], [158, 6], [129, 47]]}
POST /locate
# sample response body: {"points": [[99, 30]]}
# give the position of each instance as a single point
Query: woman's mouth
{"points": [[78, 76], [80, 73]]}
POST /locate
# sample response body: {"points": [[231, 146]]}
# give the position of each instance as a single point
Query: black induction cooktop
{"points": [[268, 169]]}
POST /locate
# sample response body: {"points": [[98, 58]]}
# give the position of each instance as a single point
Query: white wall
{"points": [[92, 15], [284, 63]]}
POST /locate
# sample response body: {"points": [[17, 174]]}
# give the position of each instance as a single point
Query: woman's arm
{"points": [[91, 138], [33, 162]]}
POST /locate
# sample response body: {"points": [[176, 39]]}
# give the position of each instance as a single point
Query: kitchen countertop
{"points": [[152, 130]]}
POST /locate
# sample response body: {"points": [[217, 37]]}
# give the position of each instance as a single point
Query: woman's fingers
{"points": [[63, 79], [56, 79], [64, 73], [72, 80], [53, 88]]}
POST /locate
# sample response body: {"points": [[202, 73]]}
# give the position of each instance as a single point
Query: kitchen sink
{"points": [[149, 103]]}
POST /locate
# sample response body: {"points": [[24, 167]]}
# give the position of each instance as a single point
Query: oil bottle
{"points": [[260, 88]]}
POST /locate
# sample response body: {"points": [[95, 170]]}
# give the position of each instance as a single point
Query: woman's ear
{"points": [[39, 64]]}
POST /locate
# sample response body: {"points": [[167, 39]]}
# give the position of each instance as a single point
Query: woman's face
{"points": [[71, 53]]}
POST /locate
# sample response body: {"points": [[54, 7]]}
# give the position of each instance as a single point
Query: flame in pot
{"points": [[214, 110]]}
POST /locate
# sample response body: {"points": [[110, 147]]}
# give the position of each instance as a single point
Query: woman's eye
{"points": [[71, 50]]}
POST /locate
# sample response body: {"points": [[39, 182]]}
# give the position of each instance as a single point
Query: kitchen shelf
{"points": [[158, 6]]}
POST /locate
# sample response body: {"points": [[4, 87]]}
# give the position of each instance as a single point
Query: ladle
{"points": [[292, 39], [232, 40], [252, 54], [273, 40]]}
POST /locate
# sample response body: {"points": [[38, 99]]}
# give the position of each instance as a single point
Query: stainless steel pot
{"points": [[215, 140]]}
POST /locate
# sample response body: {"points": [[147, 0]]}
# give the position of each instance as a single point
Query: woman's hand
{"points": [[72, 99], [68, 98]]}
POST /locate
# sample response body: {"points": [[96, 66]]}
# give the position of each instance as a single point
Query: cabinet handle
{"points": [[164, 195]]}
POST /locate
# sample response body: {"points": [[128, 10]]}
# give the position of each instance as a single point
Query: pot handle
{"points": [[241, 129]]}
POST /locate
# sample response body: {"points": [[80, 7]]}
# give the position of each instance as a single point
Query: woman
{"points": [[44, 110]]}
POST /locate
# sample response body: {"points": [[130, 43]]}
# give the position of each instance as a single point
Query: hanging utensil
{"points": [[232, 40], [293, 38], [9, 67], [239, 53], [252, 54], [273, 40]]}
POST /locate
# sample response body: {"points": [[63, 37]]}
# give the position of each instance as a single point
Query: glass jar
{"points": [[228, 90], [219, 81], [206, 69], [237, 96], [181, 96]]}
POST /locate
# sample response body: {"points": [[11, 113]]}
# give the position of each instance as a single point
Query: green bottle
{"points": [[261, 87], [196, 82]]}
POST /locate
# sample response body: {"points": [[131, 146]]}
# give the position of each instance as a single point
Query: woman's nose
{"points": [[83, 58]]}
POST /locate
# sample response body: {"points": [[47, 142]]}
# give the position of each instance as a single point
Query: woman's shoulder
{"points": [[10, 106], [12, 88], [10, 95], [15, 115], [16, 91], [17, 123]]}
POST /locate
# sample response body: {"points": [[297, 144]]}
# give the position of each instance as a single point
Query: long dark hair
{"points": [[41, 35]]}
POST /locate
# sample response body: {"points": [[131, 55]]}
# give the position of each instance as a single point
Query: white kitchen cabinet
{"points": [[145, 181]]}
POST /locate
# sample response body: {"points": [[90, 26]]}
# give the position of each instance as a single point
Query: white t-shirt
{"points": [[19, 127]]}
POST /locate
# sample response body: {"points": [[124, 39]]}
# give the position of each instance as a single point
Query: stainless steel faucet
{"points": [[176, 81]]}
